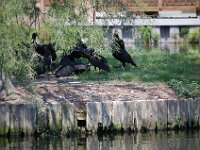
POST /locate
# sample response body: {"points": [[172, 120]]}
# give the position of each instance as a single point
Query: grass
{"points": [[179, 70]]}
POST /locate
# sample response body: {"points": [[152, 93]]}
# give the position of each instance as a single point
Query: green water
{"points": [[148, 141]]}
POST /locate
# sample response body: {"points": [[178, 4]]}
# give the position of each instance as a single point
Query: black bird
{"points": [[71, 63], [70, 66], [34, 35], [80, 45], [46, 55], [44, 49], [97, 60], [50, 51], [78, 51], [119, 52], [67, 64]]}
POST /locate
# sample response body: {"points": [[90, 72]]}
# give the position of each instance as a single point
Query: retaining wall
{"points": [[134, 115], [16, 119], [144, 114]]}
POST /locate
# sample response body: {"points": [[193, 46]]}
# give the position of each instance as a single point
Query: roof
{"points": [[151, 22]]}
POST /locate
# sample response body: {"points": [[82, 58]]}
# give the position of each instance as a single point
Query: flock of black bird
{"points": [[71, 63]]}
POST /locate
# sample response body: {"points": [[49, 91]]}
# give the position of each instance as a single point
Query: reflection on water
{"points": [[171, 47], [149, 141]]}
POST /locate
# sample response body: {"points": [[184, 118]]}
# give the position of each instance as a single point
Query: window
{"points": [[164, 32], [127, 33]]}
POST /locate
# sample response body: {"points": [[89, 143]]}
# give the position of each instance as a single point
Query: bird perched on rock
{"points": [[70, 66], [119, 52], [71, 63]]}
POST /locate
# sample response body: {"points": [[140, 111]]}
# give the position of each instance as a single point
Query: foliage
{"points": [[146, 34], [68, 21], [155, 37], [15, 57], [15, 54], [68, 10], [16, 11], [185, 88], [184, 32], [194, 35], [110, 6], [64, 26]]}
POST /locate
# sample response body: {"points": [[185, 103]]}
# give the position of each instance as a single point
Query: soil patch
{"points": [[79, 93]]}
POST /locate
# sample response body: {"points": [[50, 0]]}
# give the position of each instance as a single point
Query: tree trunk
{"points": [[6, 86]]}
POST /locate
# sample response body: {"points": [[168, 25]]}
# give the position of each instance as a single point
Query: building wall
{"points": [[149, 5], [130, 35]]}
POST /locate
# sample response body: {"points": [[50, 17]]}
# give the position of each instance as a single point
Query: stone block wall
{"points": [[27, 119], [61, 118], [144, 114]]}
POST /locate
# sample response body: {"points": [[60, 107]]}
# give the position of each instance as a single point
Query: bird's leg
{"points": [[123, 64]]}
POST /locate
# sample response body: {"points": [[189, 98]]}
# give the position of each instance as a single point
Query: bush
{"points": [[184, 32], [185, 88], [146, 34], [155, 37], [194, 36]]}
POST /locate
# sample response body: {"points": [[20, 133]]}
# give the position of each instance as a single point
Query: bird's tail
{"points": [[134, 64]]}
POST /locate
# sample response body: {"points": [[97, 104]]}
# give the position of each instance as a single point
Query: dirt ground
{"points": [[79, 93]]}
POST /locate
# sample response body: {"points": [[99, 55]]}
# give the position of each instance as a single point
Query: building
{"points": [[167, 17]]}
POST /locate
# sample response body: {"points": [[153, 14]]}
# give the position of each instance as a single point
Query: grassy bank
{"points": [[180, 70]]}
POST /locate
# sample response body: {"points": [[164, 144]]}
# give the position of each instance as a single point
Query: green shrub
{"points": [[146, 34], [194, 36], [184, 32], [185, 88], [155, 37]]}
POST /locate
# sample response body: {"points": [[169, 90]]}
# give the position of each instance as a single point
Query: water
{"points": [[148, 141]]}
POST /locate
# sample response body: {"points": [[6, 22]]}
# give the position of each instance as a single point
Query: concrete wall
{"points": [[142, 114], [17, 118], [59, 118], [27, 119]]}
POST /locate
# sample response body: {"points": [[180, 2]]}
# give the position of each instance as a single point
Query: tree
{"points": [[67, 21], [15, 56]]}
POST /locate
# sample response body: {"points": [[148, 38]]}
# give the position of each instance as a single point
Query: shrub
{"points": [[194, 36], [185, 88], [146, 34]]}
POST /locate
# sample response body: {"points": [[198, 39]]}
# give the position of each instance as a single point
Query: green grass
{"points": [[180, 70]]}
